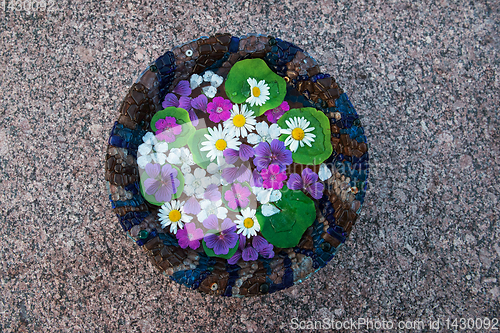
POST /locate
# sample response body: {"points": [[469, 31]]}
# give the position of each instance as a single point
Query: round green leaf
{"points": [[238, 89], [285, 229], [210, 252], [194, 144], [321, 147], [182, 118], [151, 198]]}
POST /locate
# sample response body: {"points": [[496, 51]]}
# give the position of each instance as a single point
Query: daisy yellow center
{"points": [[256, 91], [174, 215], [239, 120], [298, 133], [248, 222], [221, 144]]}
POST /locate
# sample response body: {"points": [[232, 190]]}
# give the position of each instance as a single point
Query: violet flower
{"points": [[308, 182], [219, 109], [237, 196], [273, 177], [274, 153], [274, 114], [167, 129], [189, 236], [245, 152], [251, 252], [162, 181], [224, 239]]}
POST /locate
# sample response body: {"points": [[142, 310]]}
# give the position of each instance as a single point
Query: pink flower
{"points": [[167, 129], [274, 114], [237, 196], [189, 236], [272, 177], [219, 109]]}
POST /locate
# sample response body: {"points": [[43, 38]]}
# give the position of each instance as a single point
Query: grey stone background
{"points": [[423, 75]]}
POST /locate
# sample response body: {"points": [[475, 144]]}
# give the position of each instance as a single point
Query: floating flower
{"points": [[195, 184], [274, 153], [181, 156], [237, 196], [250, 252], [219, 109], [298, 131], [241, 121], [264, 133], [219, 140], [308, 182], [211, 208], [259, 92], [152, 150], [209, 76], [224, 239], [244, 153], [209, 91], [190, 236], [216, 171], [200, 103], [247, 223], [273, 177], [167, 129], [324, 172], [183, 102], [172, 214], [274, 114], [162, 181]]}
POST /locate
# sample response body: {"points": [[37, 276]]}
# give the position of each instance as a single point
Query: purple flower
{"points": [[251, 252], [162, 181], [274, 153], [237, 196], [274, 114], [171, 100], [219, 109], [225, 239], [273, 177], [244, 153], [308, 182], [242, 174], [189, 236], [167, 129], [183, 88], [200, 103]]}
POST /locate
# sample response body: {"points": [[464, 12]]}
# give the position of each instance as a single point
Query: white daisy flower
{"points": [[298, 131], [152, 150], [216, 171], [211, 208], [259, 92], [195, 184], [172, 214], [195, 81], [247, 223], [264, 133], [219, 140], [241, 121], [181, 156]]}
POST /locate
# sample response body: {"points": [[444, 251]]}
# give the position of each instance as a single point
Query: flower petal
{"points": [[295, 182], [153, 170], [185, 103], [200, 103], [309, 176], [231, 155], [324, 172], [246, 152], [193, 117], [316, 190], [151, 185], [269, 210], [183, 88], [164, 194], [212, 193], [249, 254], [211, 222], [192, 206], [170, 100]]}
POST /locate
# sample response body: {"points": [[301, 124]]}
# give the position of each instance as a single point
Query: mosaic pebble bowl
{"points": [[306, 87]]}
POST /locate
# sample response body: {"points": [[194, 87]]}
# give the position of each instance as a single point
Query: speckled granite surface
{"points": [[424, 77]]}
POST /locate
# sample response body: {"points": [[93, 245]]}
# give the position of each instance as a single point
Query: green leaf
{"points": [[210, 252], [285, 229], [238, 89], [151, 198], [194, 144], [321, 147], [182, 118]]}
